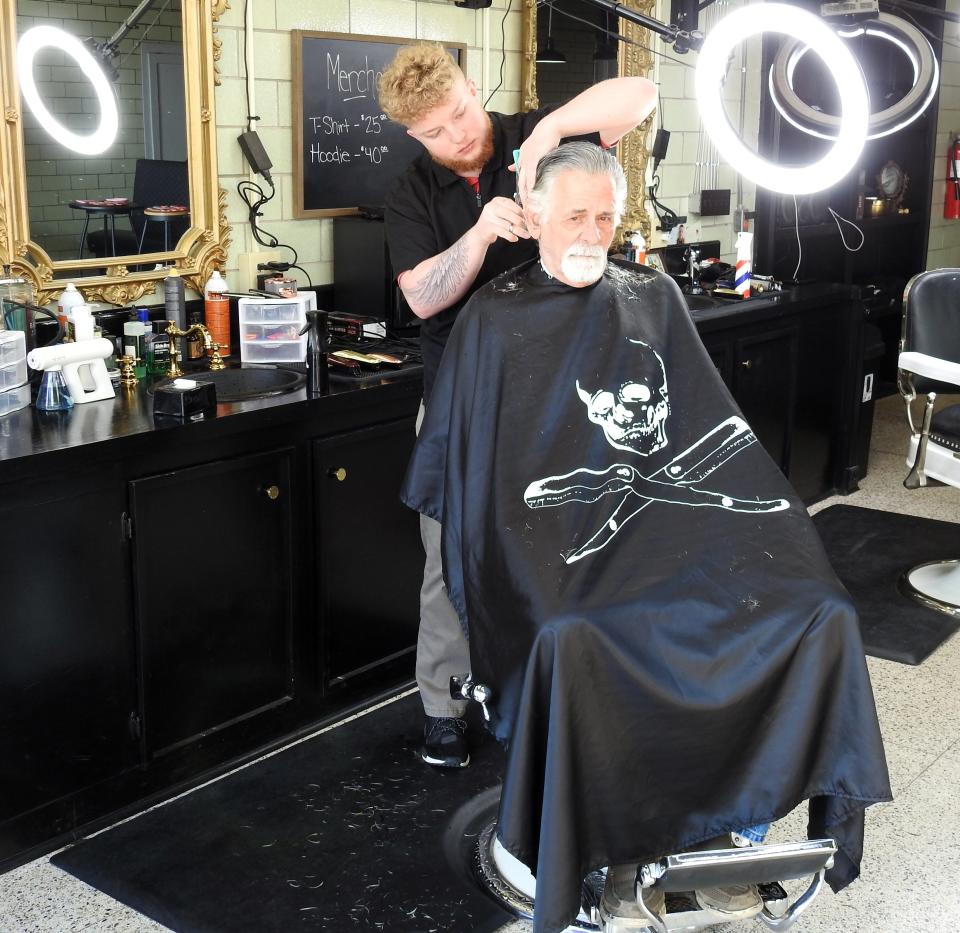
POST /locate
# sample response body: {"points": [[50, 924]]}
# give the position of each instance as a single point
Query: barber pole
{"points": [[744, 263]]}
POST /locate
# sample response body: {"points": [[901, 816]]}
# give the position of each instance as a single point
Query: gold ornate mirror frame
{"points": [[631, 60], [201, 248]]}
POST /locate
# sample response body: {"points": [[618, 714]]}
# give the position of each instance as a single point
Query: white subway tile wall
{"points": [[943, 246], [440, 19], [426, 19], [674, 75]]}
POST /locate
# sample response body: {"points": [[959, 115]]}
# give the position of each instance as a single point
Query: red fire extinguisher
{"points": [[951, 198]]}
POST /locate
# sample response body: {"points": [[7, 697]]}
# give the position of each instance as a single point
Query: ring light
{"points": [[810, 30], [910, 41], [40, 37]]}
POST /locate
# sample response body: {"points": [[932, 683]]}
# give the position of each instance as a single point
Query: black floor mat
{"points": [[869, 551], [341, 832]]}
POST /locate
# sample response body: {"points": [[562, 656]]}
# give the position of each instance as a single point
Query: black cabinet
{"points": [[370, 563], [67, 684], [163, 603], [794, 376], [213, 567], [759, 368], [764, 384]]}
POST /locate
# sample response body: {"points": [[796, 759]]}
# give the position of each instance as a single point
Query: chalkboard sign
{"points": [[346, 152]]}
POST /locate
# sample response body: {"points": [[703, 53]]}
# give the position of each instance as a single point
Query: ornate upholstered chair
{"points": [[929, 363]]}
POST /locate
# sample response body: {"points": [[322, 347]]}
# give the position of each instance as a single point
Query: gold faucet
{"points": [[128, 378], [173, 367]]}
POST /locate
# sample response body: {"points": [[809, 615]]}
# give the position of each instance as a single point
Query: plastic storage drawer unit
{"points": [[270, 328], [14, 388]]}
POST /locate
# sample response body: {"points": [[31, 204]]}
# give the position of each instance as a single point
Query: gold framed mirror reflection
{"points": [[116, 279], [632, 150]]}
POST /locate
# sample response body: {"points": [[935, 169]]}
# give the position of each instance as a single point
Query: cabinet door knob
{"points": [[272, 492], [339, 474], [747, 364]]}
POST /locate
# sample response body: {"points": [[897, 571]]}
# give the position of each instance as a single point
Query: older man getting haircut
{"points": [[666, 648]]}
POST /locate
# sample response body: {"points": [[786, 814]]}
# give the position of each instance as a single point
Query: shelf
{"points": [[866, 223], [891, 220]]}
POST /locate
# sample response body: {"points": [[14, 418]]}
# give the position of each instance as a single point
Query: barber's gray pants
{"points": [[441, 645]]}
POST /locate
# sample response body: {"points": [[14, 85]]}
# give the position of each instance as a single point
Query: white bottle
{"points": [[69, 298], [216, 311], [82, 322], [82, 319]]}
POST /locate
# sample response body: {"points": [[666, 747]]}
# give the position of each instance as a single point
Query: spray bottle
{"points": [[318, 377], [174, 299], [69, 298], [216, 311]]}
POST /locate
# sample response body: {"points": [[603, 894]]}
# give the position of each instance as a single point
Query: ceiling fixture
{"points": [[41, 37], [550, 55], [851, 125], [904, 36]]}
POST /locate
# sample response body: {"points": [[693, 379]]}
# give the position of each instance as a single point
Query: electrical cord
{"points": [[836, 219], [9, 304], [255, 197], [796, 218], [246, 69], [503, 51], [668, 218]]}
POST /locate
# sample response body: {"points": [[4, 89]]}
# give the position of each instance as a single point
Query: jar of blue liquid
{"points": [[54, 394]]}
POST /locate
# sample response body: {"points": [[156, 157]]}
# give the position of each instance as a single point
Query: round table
{"points": [[109, 213]]}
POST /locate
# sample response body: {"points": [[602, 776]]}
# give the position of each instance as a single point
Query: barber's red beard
{"points": [[476, 162]]}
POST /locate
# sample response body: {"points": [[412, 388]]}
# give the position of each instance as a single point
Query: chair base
{"points": [[662, 910], [940, 467], [935, 584]]}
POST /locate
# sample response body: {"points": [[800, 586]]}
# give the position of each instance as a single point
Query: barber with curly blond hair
{"points": [[452, 225]]}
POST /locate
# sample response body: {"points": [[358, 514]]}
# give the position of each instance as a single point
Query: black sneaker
{"points": [[444, 742]]}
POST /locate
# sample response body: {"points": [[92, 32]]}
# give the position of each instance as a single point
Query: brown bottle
{"points": [[195, 340]]}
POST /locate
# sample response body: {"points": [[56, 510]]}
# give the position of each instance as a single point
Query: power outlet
{"points": [[247, 263]]}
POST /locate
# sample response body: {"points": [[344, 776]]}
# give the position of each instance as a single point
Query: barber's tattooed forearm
{"points": [[445, 278]]}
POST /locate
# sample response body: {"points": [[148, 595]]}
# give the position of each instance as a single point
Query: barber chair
{"points": [[929, 363], [662, 896]]}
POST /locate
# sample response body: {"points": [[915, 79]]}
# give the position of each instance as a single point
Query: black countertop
{"points": [[726, 313], [124, 425], [113, 428]]}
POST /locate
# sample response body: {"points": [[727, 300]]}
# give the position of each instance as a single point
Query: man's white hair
{"points": [[580, 157]]}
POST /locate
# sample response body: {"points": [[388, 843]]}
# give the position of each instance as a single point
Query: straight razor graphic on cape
{"points": [[670, 484]]}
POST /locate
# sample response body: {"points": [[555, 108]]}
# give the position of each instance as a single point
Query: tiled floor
{"points": [[912, 861]]}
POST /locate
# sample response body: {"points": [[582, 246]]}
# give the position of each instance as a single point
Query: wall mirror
{"points": [[66, 216], [586, 55]]}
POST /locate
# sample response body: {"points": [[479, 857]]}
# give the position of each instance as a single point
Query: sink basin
{"points": [[237, 385], [699, 302], [705, 302]]}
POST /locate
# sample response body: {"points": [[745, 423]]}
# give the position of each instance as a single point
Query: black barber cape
{"points": [[670, 654]]}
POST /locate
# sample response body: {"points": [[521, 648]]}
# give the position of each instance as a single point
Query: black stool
{"points": [[160, 216]]}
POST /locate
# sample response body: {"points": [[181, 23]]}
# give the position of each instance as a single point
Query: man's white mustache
{"points": [[588, 252]]}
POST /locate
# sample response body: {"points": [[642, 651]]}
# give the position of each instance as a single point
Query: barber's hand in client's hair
{"points": [[501, 218], [534, 148]]}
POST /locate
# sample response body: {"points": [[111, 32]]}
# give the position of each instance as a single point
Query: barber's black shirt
{"points": [[430, 208]]}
